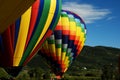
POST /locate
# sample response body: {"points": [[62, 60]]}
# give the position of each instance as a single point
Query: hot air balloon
{"points": [[10, 10], [22, 39], [65, 43]]}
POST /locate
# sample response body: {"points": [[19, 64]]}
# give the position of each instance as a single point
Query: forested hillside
{"points": [[90, 57]]}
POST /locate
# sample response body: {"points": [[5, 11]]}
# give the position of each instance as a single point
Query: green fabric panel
{"points": [[64, 15], [38, 30], [68, 54], [51, 41], [58, 45], [83, 30], [71, 19], [64, 49], [84, 35], [58, 16], [71, 60], [78, 24]]}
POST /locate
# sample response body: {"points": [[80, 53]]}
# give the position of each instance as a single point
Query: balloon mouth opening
{"points": [[58, 77], [13, 71]]}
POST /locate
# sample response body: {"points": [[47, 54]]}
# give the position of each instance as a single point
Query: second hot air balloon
{"points": [[66, 42]]}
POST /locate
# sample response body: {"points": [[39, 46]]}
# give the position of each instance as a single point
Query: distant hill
{"points": [[96, 57], [90, 57]]}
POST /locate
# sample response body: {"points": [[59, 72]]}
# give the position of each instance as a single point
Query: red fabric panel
{"points": [[65, 32], [34, 14], [7, 56], [12, 30]]}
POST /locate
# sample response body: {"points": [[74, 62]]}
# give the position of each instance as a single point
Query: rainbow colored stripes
{"points": [[66, 42], [22, 39]]}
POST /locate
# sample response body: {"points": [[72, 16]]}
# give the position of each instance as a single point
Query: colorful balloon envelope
{"points": [[22, 39], [66, 42]]}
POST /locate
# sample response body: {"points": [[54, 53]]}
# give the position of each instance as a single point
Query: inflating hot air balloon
{"points": [[65, 44], [22, 39]]}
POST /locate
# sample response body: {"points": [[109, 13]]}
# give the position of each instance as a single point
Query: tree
{"points": [[107, 72], [119, 64]]}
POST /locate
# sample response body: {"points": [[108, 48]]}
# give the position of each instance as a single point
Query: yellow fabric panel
{"points": [[65, 23], [49, 19], [81, 36], [66, 61], [78, 31], [81, 44], [23, 31], [76, 35], [51, 49], [83, 41], [63, 56], [80, 39], [58, 51], [72, 28], [67, 65]]}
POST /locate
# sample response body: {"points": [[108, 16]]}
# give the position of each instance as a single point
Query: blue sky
{"points": [[102, 18]]}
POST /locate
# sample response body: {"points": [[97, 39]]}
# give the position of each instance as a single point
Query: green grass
{"points": [[4, 74], [81, 78]]}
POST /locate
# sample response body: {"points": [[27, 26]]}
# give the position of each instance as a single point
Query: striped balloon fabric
{"points": [[20, 42], [66, 42]]}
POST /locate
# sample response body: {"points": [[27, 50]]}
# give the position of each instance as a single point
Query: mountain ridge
{"points": [[90, 57]]}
